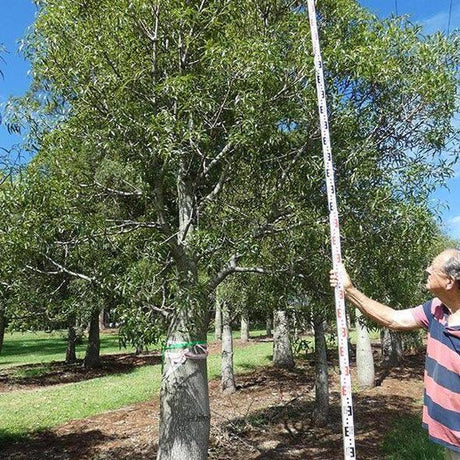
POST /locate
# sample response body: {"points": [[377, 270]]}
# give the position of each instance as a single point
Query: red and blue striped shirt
{"points": [[441, 405]]}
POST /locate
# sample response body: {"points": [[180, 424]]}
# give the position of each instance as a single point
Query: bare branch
{"points": [[62, 269]]}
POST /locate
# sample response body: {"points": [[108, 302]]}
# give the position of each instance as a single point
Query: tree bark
{"points": [[228, 377], [269, 325], [282, 350], [364, 356], [102, 324], [244, 327], [184, 397], [392, 352], [2, 327], [92, 358], [218, 320], [70, 354], [321, 411], [184, 402]]}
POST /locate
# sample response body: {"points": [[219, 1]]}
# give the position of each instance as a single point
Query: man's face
{"points": [[437, 280]]}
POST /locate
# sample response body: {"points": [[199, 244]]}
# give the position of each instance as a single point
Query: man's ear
{"points": [[451, 284]]}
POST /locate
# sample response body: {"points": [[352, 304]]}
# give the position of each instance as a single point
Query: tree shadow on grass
{"points": [[46, 445], [58, 372]]}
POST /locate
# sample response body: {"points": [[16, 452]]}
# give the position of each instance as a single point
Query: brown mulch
{"points": [[269, 417]]}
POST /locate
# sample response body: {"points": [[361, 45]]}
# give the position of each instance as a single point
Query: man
{"points": [[441, 317]]}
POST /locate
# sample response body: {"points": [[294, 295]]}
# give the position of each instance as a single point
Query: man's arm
{"points": [[378, 312]]}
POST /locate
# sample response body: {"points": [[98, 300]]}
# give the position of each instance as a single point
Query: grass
{"points": [[34, 410], [45, 347], [408, 440]]}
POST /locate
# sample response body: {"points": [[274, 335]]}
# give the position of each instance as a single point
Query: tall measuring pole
{"points": [[342, 329]]}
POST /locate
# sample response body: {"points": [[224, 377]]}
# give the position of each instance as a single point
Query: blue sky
{"points": [[17, 15]]}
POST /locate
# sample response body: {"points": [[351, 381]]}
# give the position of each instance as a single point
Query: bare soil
{"points": [[269, 417]]}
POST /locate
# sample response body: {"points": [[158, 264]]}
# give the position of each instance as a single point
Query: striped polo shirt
{"points": [[441, 405]]}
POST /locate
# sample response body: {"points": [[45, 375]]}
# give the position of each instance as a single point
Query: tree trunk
{"points": [[184, 402], [2, 328], [321, 411], [218, 320], [282, 350], [269, 324], [70, 354], [244, 327], [184, 397], [102, 324], [92, 357], [364, 356], [392, 352], [228, 377]]}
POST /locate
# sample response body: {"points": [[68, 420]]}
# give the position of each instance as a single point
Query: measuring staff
{"points": [[342, 329]]}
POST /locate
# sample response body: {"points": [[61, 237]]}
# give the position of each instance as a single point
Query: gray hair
{"points": [[452, 266]]}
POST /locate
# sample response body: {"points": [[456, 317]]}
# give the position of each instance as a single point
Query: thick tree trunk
{"points": [[184, 403], [269, 324], [184, 397], [244, 327], [228, 377], [322, 377], [70, 354], [2, 327], [364, 356], [92, 357], [218, 320], [392, 351], [282, 350]]}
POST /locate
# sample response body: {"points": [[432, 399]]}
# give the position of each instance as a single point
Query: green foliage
{"points": [[178, 145]]}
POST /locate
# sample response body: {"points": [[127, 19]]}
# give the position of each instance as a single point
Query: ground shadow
{"points": [[58, 372]]}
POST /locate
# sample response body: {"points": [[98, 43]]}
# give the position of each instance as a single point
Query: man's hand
{"points": [[333, 278]]}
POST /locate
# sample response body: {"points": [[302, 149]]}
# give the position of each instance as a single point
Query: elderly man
{"points": [[441, 317]]}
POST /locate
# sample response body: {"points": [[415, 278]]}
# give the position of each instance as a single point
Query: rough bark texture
{"points": [[218, 320], [228, 377], [392, 351], [364, 356], [322, 379], [92, 357], [282, 350], [2, 328], [244, 327], [269, 324], [70, 354]]}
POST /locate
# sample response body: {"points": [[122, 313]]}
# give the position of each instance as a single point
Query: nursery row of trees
{"points": [[177, 163]]}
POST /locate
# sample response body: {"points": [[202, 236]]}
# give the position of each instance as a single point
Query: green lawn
{"points": [[408, 440], [42, 347], [33, 410]]}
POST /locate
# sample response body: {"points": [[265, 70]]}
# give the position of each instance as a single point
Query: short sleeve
{"points": [[422, 315]]}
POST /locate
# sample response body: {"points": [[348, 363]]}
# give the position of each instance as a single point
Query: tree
{"points": [[218, 100]]}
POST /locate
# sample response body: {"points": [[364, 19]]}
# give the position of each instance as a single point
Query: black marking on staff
{"points": [[342, 330]]}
